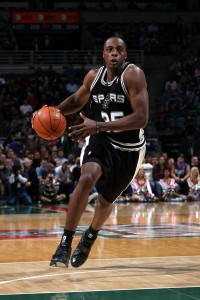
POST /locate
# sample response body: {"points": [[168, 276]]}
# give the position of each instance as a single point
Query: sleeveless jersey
{"points": [[180, 171], [109, 101]]}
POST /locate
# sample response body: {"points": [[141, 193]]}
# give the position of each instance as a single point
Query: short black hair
{"points": [[116, 37]]}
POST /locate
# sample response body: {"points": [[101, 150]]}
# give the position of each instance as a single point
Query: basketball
{"points": [[49, 123]]}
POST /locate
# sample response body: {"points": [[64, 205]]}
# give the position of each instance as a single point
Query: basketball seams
{"points": [[54, 130], [50, 118], [44, 122], [58, 122], [44, 135]]}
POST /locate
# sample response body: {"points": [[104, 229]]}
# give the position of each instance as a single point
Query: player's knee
{"points": [[104, 203], [87, 180]]}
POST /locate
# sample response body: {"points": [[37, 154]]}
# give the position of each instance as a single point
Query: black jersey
{"points": [[109, 101]]}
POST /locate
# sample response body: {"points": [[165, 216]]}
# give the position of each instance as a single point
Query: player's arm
{"points": [[78, 100], [173, 175], [187, 173], [136, 85]]}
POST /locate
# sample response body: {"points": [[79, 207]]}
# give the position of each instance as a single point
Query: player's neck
{"points": [[112, 74]]}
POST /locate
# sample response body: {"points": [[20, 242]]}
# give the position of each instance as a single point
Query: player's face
{"points": [[114, 53]]}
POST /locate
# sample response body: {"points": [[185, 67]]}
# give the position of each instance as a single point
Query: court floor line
{"points": [[67, 273], [83, 271], [105, 259]]}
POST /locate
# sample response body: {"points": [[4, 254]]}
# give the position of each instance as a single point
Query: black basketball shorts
{"points": [[119, 167]]}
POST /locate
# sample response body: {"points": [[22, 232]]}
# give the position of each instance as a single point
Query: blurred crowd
{"points": [[46, 175], [182, 87], [49, 172], [22, 94], [163, 178], [31, 167], [177, 111]]}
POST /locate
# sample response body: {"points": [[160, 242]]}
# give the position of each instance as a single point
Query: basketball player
{"points": [[114, 104]]}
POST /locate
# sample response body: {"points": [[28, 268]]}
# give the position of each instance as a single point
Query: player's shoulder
{"points": [[90, 76], [93, 72], [133, 71], [131, 68]]}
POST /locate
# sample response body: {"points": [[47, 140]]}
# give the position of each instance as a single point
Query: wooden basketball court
{"points": [[144, 251]]}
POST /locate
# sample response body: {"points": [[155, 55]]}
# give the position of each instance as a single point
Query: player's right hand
{"points": [[81, 131]]}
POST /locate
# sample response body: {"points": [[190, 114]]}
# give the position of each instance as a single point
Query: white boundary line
{"points": [[102, 259], [84, 271], [67, 273]]}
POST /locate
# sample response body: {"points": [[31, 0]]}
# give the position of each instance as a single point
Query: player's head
{"points": [[115, 38], [114, 52]]}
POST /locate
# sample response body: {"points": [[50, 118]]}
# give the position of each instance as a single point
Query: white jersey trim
{"points": [[128, 146], [123, 84], [96, 78]]}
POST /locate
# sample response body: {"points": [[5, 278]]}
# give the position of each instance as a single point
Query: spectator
{"points": [[60, 156], [194, 162], [158, 173], [30, 173], [141, 188], [36, 160], [43, 149], [56, 162], [154, 160], [170, 163], [5, 172], [17, 187], [64, 177], [49, 191], [71, 86], [194, 185], [180, 172], [25, 108], [148, 170], [165, 156], [45, 169], [170, 188], [65, 144], [71, 160], [17, 145], [2, 80], [171, 84]]}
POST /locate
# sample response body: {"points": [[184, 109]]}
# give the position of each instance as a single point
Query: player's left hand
{"points": [[81, 131]]}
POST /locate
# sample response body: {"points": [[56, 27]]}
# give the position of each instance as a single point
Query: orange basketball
{"points": [[49, 123]]}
